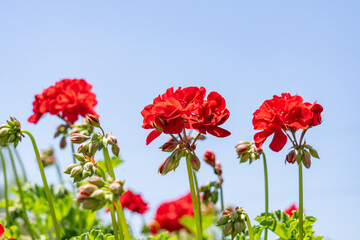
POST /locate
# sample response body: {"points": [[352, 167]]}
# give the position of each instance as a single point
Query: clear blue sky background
{"points": [[131, 51]]}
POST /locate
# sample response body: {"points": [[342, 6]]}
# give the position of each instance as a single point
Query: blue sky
{"points": [[131, 51]]}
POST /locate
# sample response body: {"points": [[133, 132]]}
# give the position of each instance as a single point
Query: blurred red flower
{"points": [[168, 214], [68, 98], [173, 111], [133, 202], [282, 113], [2, 230], [289, 210]]}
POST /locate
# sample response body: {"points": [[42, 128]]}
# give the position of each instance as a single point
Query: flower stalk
{"points": [[113, 220], [301, 220], [266, 193], [46, 186], [248, 223], [8, 221], [21, 164], [19, 185]]}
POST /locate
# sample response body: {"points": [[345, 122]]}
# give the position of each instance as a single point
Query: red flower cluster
{"points": [[289, 210], [133, 202], [168, 214], [186, 107], [282, 113], [68, 98]]}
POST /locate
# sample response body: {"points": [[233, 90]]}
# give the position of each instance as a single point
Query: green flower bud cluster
{"points": [[210, 192], [233, 222], [95, 194], [11, 132], [304, 154], [47, 157], [97, 141], [247, 151], [86, 168]]}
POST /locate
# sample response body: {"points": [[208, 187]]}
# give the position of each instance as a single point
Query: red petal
{"points": [[218, 132], [278, 141], [154, 134], [2, 230]]}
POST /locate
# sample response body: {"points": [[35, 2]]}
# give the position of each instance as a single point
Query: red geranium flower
{"points": [[68, 98], [2, 230], [133, 202], [277, 115], [289, 210], [168, 214]]}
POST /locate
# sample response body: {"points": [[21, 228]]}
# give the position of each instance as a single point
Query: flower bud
{"points": [[313, 152], [96, 180], [169, 164], [79, 157], [76, 171], [98, 194], [115, 150], [218, 168], [195, 162], [306, 159], [227, 229], [70, 167], [239, 227], [169, 146], [86, 173], [93, 147], [242, 147], [115, 188], [87, 189], [291, 157], [4, 131], [78, 138], [93, 120], [112, 139], [91, 204], [209, 158], [63, 142], [223, 219], [83, 147], [89, 166]]}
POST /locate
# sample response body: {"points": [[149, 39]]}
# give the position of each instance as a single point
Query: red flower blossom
{"points": [[68, 98], [289, 210], [168, 214], [316, 110], [2, 230], [277, 115], [211, 114], [173, 111], [133, 202]]}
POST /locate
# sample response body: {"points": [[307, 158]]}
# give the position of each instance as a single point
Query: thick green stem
{"points": [[21, 164], [266, 193], [113, 220], [250, 230], [198, 199], [194, 202], [46, 186], [120, 216], [300, 202], [8, 221], [222, 198], [19, 185], [122, 219]]}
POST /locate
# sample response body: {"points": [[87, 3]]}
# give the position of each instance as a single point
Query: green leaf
{"points": [[115, 161]]}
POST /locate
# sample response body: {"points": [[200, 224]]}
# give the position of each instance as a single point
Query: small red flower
{"points": [[289, 210], [168, 214], [2, 230], [133, 202], [277, 115], [209, 157], [68, 98]]}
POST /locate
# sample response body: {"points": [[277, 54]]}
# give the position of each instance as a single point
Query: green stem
{"points": [[8, 221], [59, 172], [198, 199], [73, 151], [113, 220], [19, 185], [46, 186], [222, 198], [266, 193], [251, 233], [300, 202], [21, 164], [120, 216], [194, 202], [122, 219]]}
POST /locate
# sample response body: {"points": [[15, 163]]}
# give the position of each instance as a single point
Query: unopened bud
{"points": [[306, 159], [112, 139], [223, 219], [83, 147], [169, 146], [240, 149], [76, 171], [227, 229], [291, 157], [86, 173], [96, 180], [70, 167], [195, 162], [115, 150], [80, 158], [218, 168], [93, 120], [313, 152], [63, 142], [87, 189], [78, 138], [115, 188], [91, 204], [239, 226], [169, 164], [98, 194], [89, 166], [209, 158]]}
